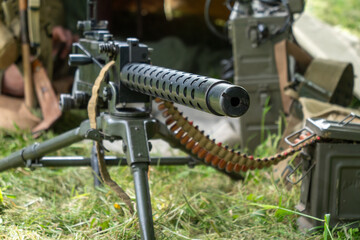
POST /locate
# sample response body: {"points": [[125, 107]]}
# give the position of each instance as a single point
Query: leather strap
{"points": [[282, 50]]}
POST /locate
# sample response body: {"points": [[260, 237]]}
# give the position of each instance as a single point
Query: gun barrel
{"points": [[211, 95]]}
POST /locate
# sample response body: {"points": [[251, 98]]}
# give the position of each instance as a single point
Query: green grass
{"points": [[344, 13], [198, 203]]}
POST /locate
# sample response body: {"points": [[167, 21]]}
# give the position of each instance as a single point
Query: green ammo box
{"points": [[331, 173]]}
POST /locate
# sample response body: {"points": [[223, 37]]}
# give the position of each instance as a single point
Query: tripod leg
{"points": [[134, 133], [143, 201], [37, 150], [95, 167]]}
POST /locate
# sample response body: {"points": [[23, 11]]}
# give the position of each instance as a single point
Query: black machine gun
{"points": [[135, 80], [131, 79]]}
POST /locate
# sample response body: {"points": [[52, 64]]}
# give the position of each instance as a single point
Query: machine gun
{"points": [[129, 79], [124, 89]]}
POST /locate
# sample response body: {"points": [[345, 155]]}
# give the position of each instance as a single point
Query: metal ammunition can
{"points": [[332, 183]]}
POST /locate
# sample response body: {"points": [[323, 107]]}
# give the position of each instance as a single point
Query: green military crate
{"points": [[331, 167]]}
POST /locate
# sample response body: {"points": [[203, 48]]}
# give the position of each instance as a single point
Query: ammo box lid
{"points": [[343, 130]]}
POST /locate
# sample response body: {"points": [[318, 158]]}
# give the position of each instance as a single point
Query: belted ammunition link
{"points": [[216, 154]]}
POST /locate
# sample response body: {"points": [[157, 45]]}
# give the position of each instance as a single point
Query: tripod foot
{"points": [[143, 200], [95, 167]]}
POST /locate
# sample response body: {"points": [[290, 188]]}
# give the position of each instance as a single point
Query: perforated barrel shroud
{"points": [[216, 96]]}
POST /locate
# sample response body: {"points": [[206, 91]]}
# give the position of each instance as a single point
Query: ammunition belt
{"points": [[215, 154]]}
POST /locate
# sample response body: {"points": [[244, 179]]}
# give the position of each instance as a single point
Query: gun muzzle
{"points": [[211, 95]]}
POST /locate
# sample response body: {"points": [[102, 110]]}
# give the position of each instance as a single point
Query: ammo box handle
{"points": [[297, 134], [348, 119], [303, 176]]}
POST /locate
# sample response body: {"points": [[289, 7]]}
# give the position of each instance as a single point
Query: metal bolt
{"points": [[139, 155], [107, 93]]}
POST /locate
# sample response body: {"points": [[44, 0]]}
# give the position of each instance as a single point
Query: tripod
{"points": [[133, 81], [135, 127]]}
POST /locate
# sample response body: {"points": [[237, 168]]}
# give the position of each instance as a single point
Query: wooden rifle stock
{"points": [[28, 84]]}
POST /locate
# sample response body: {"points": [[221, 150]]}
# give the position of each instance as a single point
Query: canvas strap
{"points": [[33, 14], [93, 113]]}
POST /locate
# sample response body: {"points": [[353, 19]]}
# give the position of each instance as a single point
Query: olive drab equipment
{"points": [[315, 83], [275, 71], [33, 14], [318, 94], [9, 30], [8, 47], [254, 28], [330, 182], [322, 79]]}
